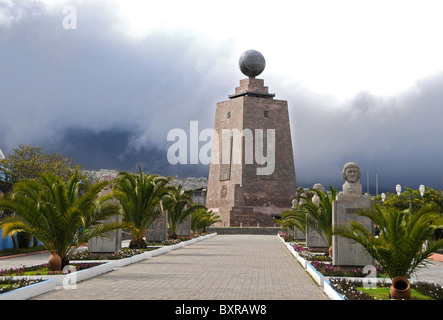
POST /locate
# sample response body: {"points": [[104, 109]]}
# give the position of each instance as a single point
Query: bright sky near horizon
{"points": [[335, 47]]}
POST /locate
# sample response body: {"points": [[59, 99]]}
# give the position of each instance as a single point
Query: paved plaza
{"points": [[228, 267], [225, 267]]}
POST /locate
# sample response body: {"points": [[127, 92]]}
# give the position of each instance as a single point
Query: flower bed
{"points": [[8, 284], [345, 283], [43, 269], [120, 254], [75, 272], [355, 290], [22, 289], [329, 270], [311, 254], [68, 279]]}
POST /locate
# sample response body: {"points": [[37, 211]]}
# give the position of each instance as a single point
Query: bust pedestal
{"points": [[347, 252]]}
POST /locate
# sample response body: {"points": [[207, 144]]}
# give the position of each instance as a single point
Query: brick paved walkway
{"points": [[237, 267]]}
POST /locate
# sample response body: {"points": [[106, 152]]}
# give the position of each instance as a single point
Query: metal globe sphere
{"points": [[251, 63]]}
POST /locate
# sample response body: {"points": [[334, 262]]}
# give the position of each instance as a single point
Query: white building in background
{"points": [[2, 156]]}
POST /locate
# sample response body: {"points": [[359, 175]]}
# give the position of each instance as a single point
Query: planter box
{"points": [[119, 263], [29, 291], [69, 280], [323, 281], [317, 276], [320, 279], [369, 279], [303, 261], [331, 293], [74, 277]]}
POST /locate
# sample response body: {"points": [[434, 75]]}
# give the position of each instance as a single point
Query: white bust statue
{"points": [[351, 174], [315, 198]]}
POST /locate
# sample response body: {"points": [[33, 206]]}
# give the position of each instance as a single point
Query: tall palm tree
{"points": [[399, 246], [179, 205], [56, 214], [318, 217], [140, 196]]}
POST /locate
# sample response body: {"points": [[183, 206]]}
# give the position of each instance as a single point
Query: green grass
{"points": [[383, 293]]}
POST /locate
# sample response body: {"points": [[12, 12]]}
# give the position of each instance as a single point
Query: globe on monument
{"points": [[252, 63]]}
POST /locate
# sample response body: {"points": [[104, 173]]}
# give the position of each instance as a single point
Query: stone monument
{"points": [[252, 174], [158, 230], [347, 252], [113, 240], [184, 229]]}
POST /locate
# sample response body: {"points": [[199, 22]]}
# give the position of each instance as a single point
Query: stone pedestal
{"points": [[109, 244], [158, 230], [184, 229], [112, 242], [298, 235], [313, 239], [347, 252]]}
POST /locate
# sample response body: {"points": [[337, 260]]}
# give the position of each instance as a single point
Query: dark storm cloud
{"points": [[97, 81], [108, 149], [398, 137], [109, 102]]}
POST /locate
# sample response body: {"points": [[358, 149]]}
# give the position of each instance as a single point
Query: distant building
{"points": [[199, 196]]}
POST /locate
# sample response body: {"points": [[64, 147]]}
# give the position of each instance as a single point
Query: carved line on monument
{"points": [[225, 167], [224, 191], [352, 210]]}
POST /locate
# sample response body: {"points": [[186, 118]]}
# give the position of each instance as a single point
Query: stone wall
{"points": [[262, 231]]}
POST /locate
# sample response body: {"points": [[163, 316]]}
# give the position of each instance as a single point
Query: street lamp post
{"points": [[421, 188]]}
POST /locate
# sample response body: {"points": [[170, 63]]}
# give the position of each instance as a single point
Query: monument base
{"points": [[347, 252], [158, 230], [253, 216], [112, 242], [313, 239]]}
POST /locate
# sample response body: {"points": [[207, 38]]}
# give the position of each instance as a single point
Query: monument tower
{"points": [[252, 173]]}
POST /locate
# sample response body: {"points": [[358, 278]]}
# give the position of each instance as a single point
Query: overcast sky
{"points": [[363, 80]]}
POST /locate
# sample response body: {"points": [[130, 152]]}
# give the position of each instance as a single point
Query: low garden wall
{"points": [[323, 281], [246, 230], [51, 282]]}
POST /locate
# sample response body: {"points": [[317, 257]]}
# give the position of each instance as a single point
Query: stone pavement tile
{"points": [[432, 272], [228, 267]]}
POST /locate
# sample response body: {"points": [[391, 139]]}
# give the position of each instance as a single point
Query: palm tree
{"points": [[318, 217], [140, 196], [399, 246], [56, 214], [179, 205], [293, 218], [201, 219]]}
